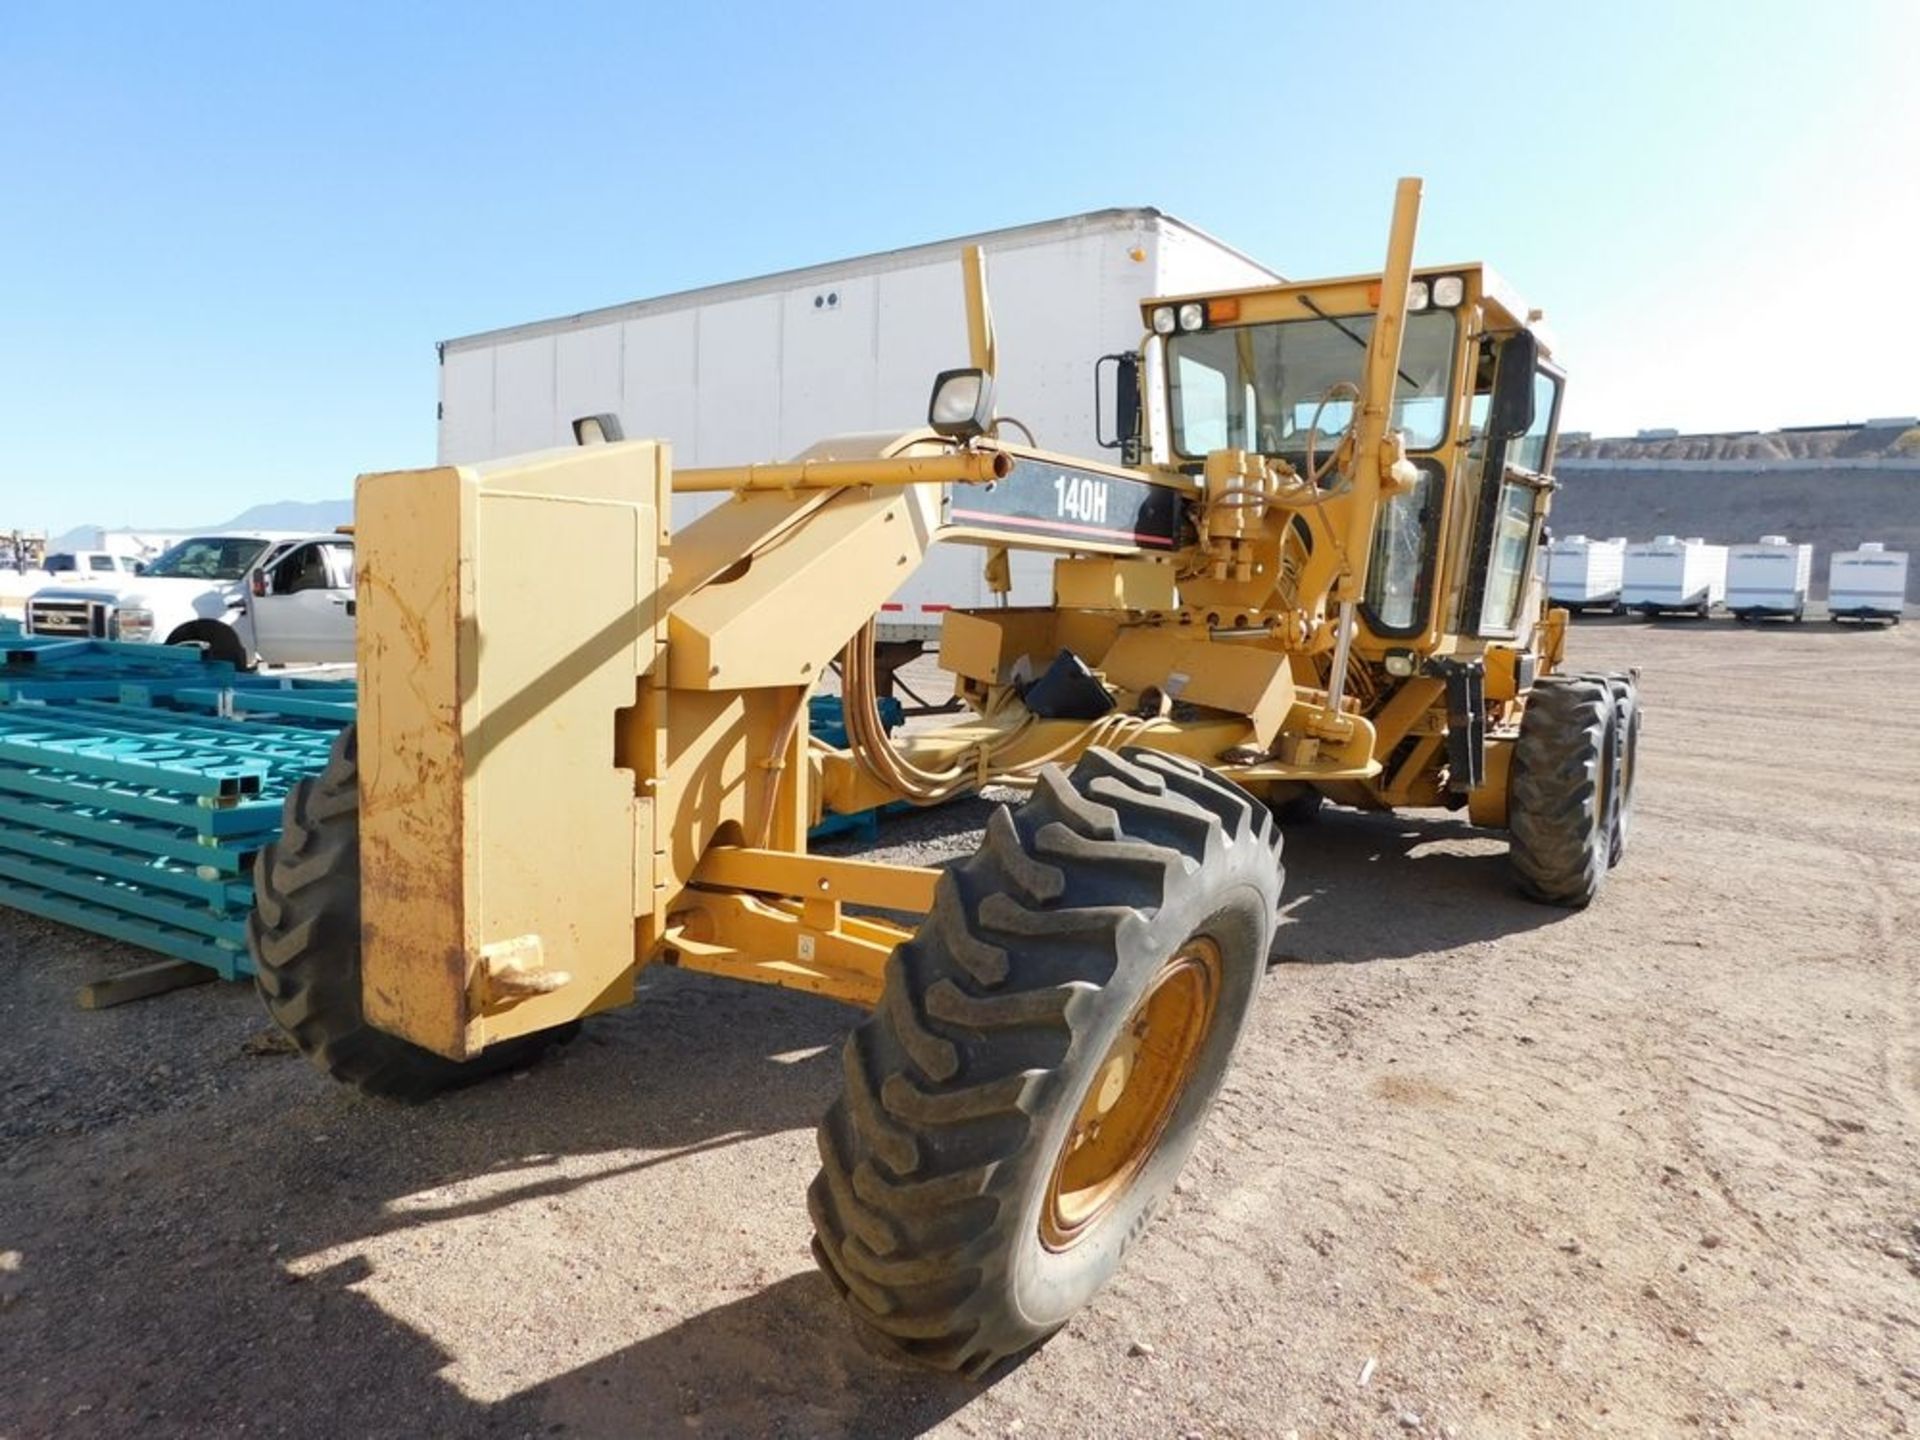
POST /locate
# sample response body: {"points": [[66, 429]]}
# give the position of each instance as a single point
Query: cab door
{"points": [[300, 604], [1516, 481]]}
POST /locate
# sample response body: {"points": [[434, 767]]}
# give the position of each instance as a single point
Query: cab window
{"points": [[1528, 452], [1512, 538]]}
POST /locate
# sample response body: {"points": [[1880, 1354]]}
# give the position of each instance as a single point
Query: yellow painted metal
{"points": [[747, 632], [1186, 666], [1136, 1086], [1107, 583], [777, 942], [1488, 804], [818, 877], [960, 467], [990, 645], [485, 738], [981, 351], [1503, 671], [572, 771], [1373, 458]]}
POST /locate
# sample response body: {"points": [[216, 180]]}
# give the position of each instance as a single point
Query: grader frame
{"points": [[586, 769], [566, 773]]}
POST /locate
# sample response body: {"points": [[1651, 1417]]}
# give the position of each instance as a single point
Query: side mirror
{"points": [[1511, 413], [258, 584], [1126, 405], [962, 404]]}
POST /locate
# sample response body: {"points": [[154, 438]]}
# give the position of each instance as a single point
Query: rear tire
{"points": [[304, 934], [969, 1200], [1626, 749], [1559, 795]]}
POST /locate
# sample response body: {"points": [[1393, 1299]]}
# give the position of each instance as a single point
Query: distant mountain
{"points": [[311, 515]]}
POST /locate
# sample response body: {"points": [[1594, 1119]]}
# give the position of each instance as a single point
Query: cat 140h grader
{"points": [[1312, 576]]}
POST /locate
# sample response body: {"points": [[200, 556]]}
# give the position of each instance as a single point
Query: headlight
{"points": [[130, 622], [1192, 315], [1417, 295], [1449, 291], [1163, 322]]}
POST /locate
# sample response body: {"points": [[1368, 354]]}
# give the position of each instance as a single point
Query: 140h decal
{"points": [[1082, 498], [1041, 498]]}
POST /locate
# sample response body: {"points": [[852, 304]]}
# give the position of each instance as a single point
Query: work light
{"points": [[962, 404]]}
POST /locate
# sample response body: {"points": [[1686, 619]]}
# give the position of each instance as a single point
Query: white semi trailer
{"points": [[761, 369]]}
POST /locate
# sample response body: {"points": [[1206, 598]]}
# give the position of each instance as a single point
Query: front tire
{"points": [[304, 934], [1559, 798], [1042, 1058]]}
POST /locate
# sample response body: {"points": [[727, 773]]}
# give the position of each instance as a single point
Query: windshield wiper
{"points": [[1353, 335]]}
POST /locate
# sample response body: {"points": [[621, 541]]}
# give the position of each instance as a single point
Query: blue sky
{"points": [[231, 234]]}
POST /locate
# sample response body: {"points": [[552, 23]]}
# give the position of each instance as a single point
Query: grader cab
{"points": [[1315, 579]]}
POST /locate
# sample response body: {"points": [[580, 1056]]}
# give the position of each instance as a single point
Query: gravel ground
{"points": [[1483, 1168]]}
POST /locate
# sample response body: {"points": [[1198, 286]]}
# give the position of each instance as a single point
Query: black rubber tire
{"points": [[304, 934], [963, 1086], [1559, 792], [222, 642], [1626, 753]]}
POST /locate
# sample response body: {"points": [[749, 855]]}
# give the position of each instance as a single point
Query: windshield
{"points": [[208, 557], [1256, 387]]}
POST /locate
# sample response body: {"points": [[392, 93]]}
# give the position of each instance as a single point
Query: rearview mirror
{"points": [[1126, 405], [1511, 413]]}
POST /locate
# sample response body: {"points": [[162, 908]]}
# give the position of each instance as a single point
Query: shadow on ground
{"points": [[164, 1277], [1363, 886], [217, 1268]]}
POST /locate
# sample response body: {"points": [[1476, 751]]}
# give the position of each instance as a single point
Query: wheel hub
{"points": [[1135, 1088]]}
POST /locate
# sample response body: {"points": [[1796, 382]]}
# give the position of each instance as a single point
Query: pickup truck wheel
{"points": [[1043, 1056], [219, 641], [304, 934]]}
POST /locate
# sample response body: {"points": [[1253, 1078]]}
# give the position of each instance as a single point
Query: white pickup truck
{"points": [[248, 598], [94, 566]]}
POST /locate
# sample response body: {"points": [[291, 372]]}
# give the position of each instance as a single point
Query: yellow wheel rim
{"points": [[1135, 1087]]}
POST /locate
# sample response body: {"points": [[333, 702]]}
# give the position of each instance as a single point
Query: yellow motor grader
{"points": [[1311, 577]]}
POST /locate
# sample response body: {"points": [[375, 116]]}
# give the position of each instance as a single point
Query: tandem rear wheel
{"points": [[1044, 1053], [1570, 793]]}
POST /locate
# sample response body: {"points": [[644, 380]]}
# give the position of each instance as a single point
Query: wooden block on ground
{"points": [[142, 981]]}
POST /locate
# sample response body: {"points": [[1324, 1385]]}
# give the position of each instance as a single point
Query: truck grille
{"points": [[71, 619]]}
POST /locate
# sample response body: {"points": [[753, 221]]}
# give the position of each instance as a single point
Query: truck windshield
{"points": [[1256, 387], [208, 557]]}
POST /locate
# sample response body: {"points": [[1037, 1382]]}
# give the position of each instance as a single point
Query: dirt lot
{"points": [[1484, 1168]]}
